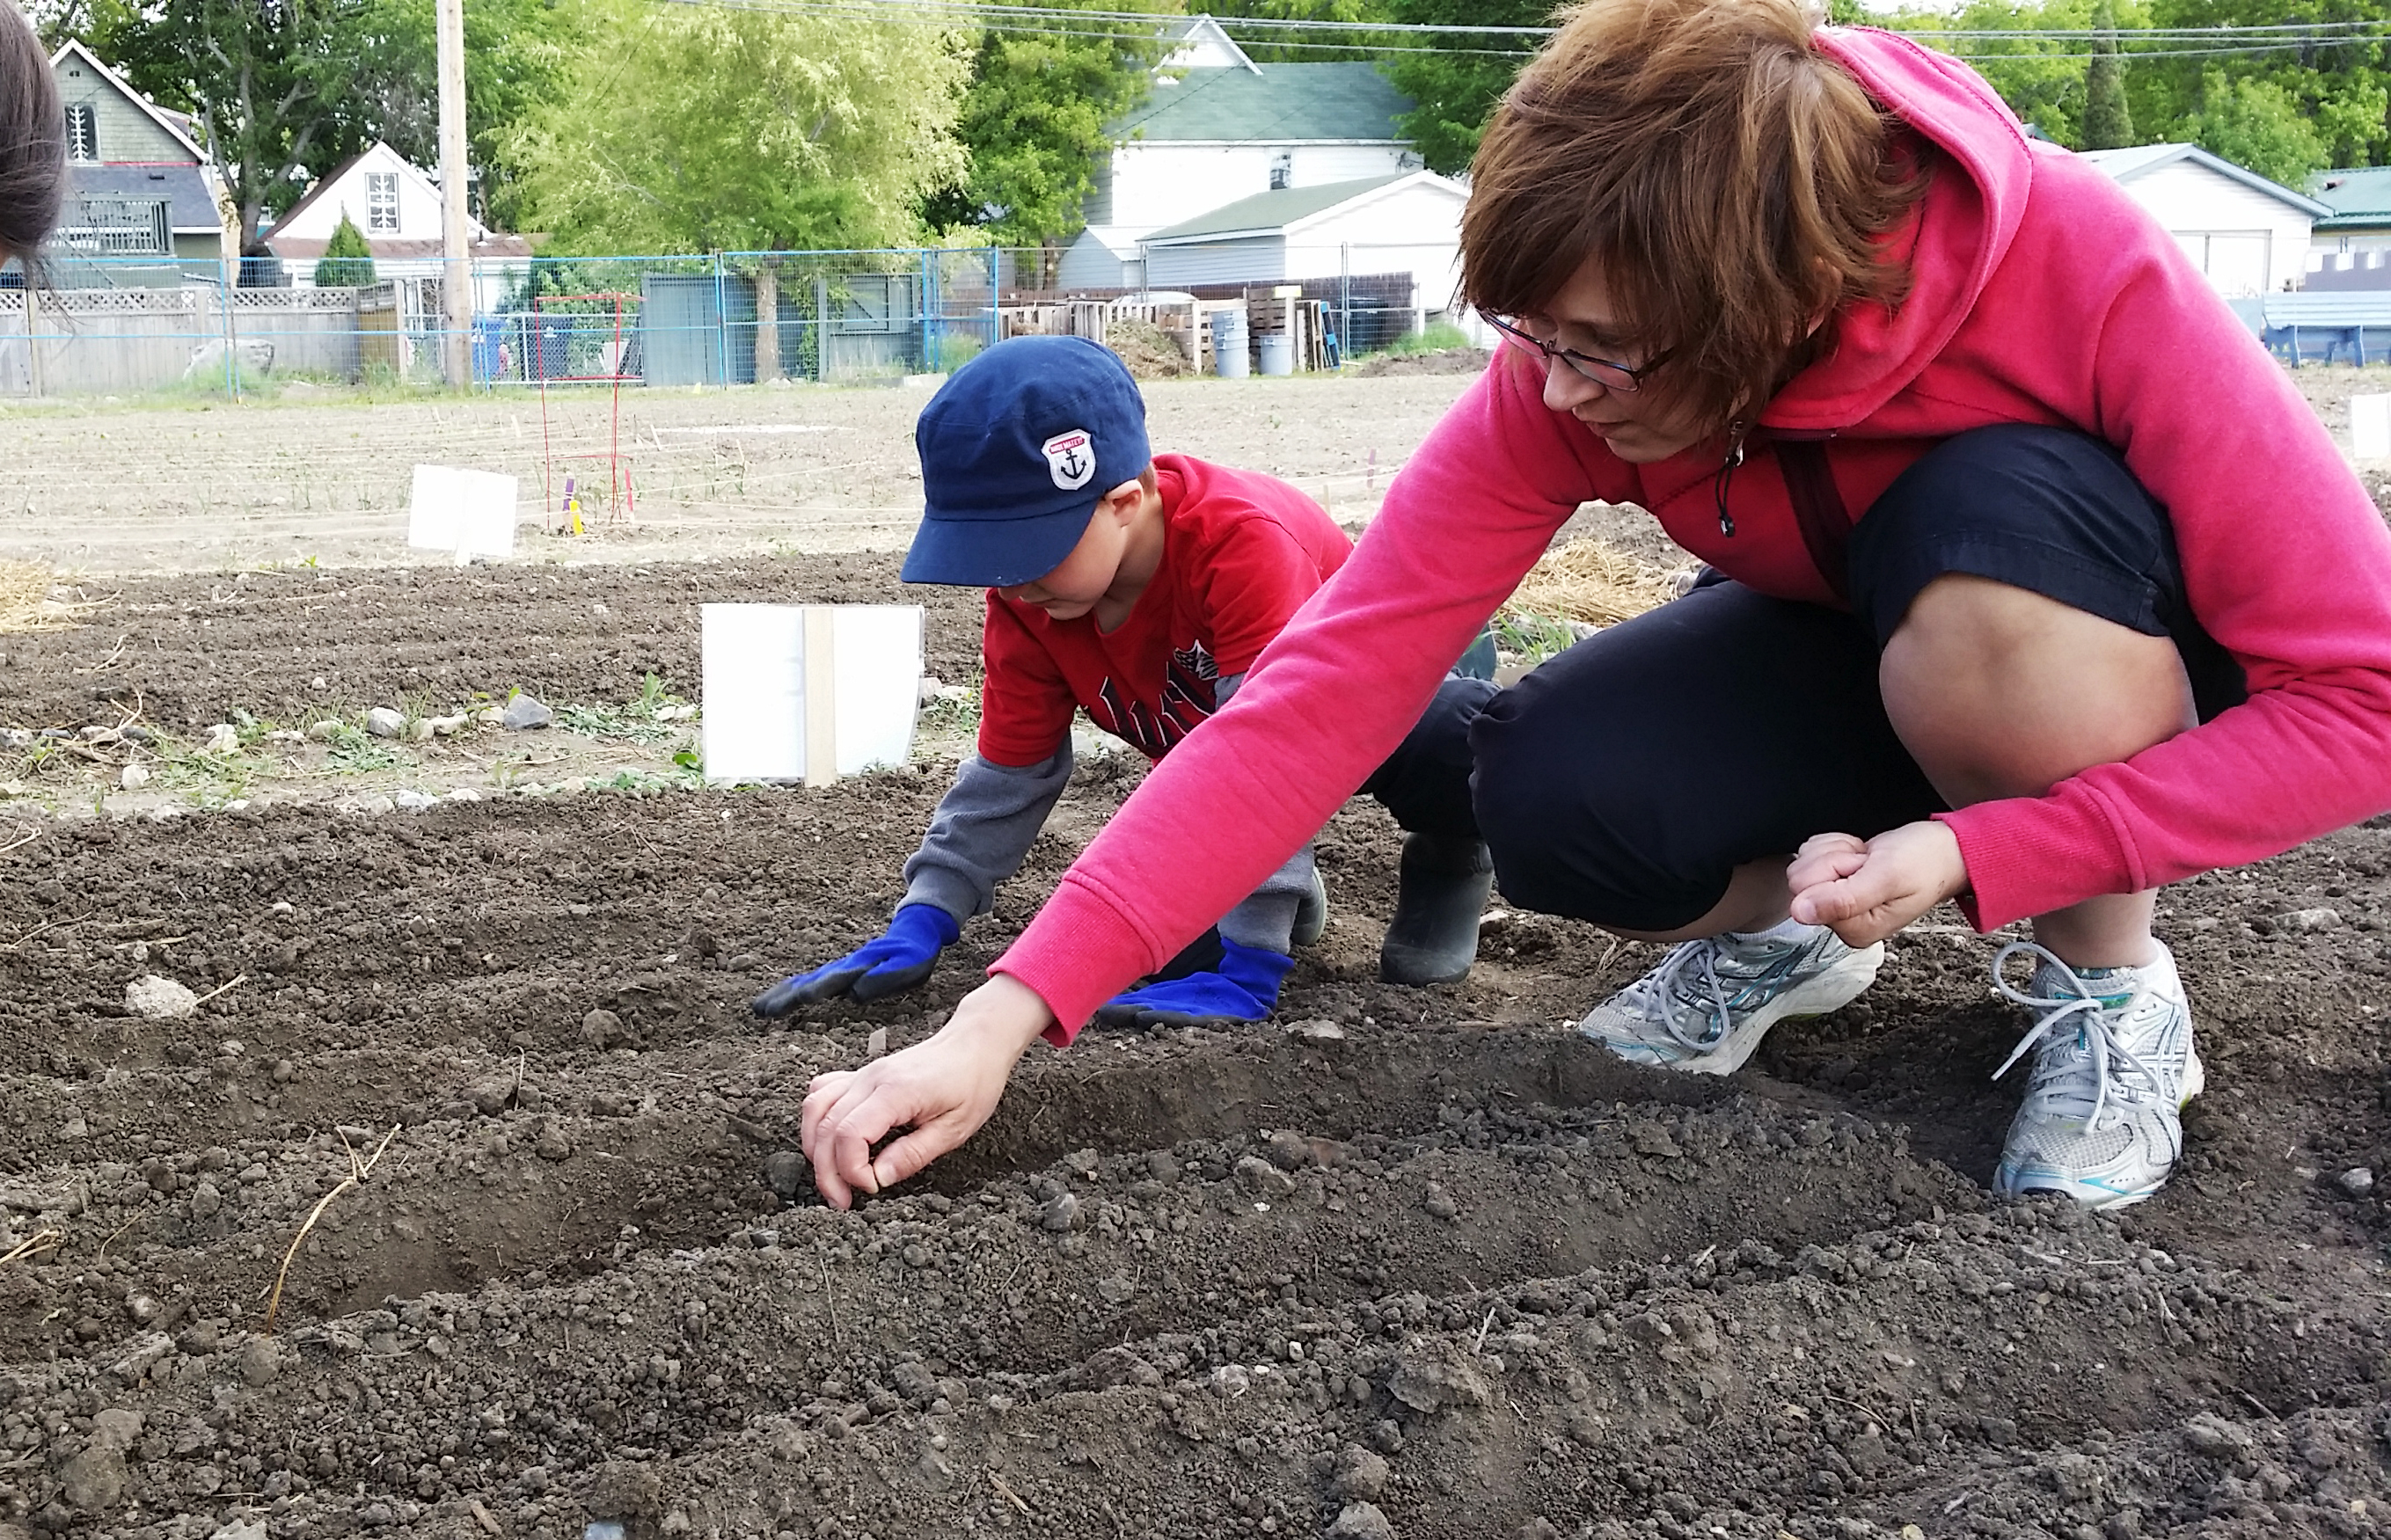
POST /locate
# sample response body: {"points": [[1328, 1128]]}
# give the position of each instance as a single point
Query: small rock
{"points": [[551, 1145], [1361, 1475], [16, 737], [241, 1529], [786, 1172], [604, 1029], [1438, 1202], [446, 726], [259, 1361], [325, 730], [133, 778], [409, 800], [464, 794], [1061, 1213], [221, 739], [1263, 1179], [116, 1429], [384, 722], [419, 730], [93, 1480], [525, 712], [2304, 919], [1650, 1139], [1361, 1521], [1431, 1377], [156, 999], [206, 1201], [2358, 1181], [1163, 1166], [1286, 1150], [2214, 1438], [1318, 1030]]}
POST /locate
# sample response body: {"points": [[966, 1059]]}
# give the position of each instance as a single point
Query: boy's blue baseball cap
{"points": [[1016, 447]]}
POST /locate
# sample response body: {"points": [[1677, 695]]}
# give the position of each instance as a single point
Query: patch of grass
{"points": [[1436, 336], [355, 751], [651, 716], [1533, 638], [956, 715]]}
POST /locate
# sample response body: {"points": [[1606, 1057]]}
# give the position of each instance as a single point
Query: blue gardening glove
{"points": [[1244, 989], [899, 960]]}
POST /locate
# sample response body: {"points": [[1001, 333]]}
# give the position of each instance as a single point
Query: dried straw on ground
{"points": [[27, 601], [1590, 582]]}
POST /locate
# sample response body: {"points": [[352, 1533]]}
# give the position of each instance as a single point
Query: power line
{"points": [[1366, 36]]}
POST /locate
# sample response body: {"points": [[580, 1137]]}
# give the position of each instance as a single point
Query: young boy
{"points": [[1139, 589]]}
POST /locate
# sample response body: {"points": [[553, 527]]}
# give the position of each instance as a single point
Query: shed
{"points": [[1406, 223], [2250, 235], [2358, 230]]}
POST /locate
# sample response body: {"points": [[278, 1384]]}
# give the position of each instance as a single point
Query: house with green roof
{"points": [[1217, 128], [2352, 246]]}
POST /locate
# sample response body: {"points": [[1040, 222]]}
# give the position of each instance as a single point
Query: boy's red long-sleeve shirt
{"points": [[2039, 292], [1241, 554]]}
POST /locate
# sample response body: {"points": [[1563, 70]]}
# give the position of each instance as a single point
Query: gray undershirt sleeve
{"points": [[984, 827], [1264, 918]]}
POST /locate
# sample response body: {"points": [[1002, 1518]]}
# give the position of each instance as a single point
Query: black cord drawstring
{"points": [[1726, 470]]}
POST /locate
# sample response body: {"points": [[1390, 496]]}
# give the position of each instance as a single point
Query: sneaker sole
{"points": [[1821, 995], [2008, 1183]]}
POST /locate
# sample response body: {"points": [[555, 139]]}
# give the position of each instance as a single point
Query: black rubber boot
{"points": [[1311, 912], [1439, 896]]}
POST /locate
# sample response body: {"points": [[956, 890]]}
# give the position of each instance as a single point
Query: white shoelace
{"points": [[1660, 983], [2090, 1016]]}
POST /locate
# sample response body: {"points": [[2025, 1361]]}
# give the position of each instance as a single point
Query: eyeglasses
{"points": [[1610, 376]]}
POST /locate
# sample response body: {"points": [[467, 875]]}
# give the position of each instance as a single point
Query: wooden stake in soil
{"points": [[360, 1169]]}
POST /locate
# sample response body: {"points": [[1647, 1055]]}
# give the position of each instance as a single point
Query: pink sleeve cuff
{"points": [[2029, 855]]}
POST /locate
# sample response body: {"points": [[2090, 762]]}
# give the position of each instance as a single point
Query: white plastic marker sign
{"points": [[2369, 427], [808, 692], [469, 513]]}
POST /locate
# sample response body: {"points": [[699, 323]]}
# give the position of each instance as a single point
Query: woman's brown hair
{"points": [[32, 141], [1732, 183]]}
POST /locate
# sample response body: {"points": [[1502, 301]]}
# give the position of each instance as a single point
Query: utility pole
{"points": [[455, 263]]}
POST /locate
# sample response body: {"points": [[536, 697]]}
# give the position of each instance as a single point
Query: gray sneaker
{"points": [[1708, 1005], [2112, 1066]]}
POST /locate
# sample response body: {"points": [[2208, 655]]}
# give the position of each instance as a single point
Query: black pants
{"points": [[1624, 780]]}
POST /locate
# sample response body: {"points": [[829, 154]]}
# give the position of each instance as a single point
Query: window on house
{"points": [[382, 201], [82, 132], [1281, 169]]}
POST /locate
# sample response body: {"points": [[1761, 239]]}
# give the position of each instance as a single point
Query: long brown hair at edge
{"points": [[32, 141], [1732, 183]]}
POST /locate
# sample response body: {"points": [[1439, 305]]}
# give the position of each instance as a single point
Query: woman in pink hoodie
{"points": [[2032, 583]]}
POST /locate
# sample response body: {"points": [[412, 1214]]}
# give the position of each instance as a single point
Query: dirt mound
{"points": [[1150, 351], [1443, 361], [1419, 1262]]}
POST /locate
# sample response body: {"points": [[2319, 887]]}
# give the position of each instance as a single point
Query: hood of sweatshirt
{"points": [[1952, 243]]}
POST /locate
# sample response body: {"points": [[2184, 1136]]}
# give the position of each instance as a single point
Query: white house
{"points": [[1405, 222], [396, 208], [1218, 127], [2249, 234]]}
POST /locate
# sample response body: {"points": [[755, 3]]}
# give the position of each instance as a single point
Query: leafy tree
{"points": [[2258, 124], [2107, 120], [1455, 86], [1291, 45], [347, 262], [517, 57], [2297, 109], [1033, 120], [269, 83], [708, 128]]}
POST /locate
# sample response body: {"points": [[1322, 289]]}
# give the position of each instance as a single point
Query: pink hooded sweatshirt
{"points": [[2039, 293]]}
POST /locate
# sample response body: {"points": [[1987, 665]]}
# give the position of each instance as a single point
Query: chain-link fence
{"points": [[100, 324]]}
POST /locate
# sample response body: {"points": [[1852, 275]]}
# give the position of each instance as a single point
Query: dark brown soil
{"points": [[1419, 1262], [1469, 361]]}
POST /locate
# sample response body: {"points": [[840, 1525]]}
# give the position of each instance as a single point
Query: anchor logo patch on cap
{"points": [[1071, 457]]}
